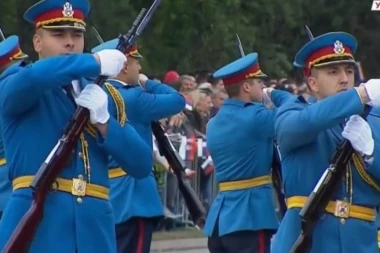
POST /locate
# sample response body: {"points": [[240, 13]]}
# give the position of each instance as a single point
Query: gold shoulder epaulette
{"points": [[360, 167], [119, 103]]}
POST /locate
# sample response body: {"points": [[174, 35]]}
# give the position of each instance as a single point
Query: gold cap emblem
{"points": [[338, 47], [68, 11]]}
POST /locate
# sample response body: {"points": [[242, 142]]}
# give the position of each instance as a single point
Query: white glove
{"points": [[373, 90], [143, 77], [359, 133], [111, 62], [95, 100], [266, 97]]}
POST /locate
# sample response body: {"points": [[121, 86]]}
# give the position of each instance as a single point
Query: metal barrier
{"points": [[172, 200]]}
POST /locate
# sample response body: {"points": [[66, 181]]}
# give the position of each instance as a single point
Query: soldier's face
{"points": [[133, 70], [255, 90], [52, 42], [329, 80]]}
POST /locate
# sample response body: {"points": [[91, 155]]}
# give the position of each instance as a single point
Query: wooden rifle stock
{"points": [[22, 236], [321, 195], [193, 204]]}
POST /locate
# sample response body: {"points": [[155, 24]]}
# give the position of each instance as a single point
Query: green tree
{"points": [[195, 35]]}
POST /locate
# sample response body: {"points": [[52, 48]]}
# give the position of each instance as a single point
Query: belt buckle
{"points": [[342, 209], [79, 187]]}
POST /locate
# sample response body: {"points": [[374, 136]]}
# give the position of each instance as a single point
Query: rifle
{"points": [[276, 172], [22, 236], [97, 35], [193, 204], [321, 195], [327, 184], [2, 37]]}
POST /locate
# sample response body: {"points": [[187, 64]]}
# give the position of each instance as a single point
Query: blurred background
{"points": [[199, 35], [187, 40]]}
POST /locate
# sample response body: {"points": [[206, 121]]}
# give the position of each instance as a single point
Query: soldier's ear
{"points": [[37, 43], [312, 80], [125, 69], [312, 84], [246, 86]]}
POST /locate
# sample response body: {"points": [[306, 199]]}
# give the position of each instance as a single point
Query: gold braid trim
{"points": [[90, 129], [119, 102], [55, 20], [120, 109], [359, 165], [328, 57], [17, 56], [257, 73]]}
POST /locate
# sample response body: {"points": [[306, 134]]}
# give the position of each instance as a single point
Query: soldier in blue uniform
{"points": [[144, 103], [308, 135], [242, 217], [374, 122], [36, 103], [10, 53]]}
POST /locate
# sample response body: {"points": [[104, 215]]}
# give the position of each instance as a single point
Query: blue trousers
{"points": [[135, 235], [241, 242]]}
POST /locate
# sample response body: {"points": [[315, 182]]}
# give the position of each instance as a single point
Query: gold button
{"points": [[79, 200], [80, 154], [54, 186], [80, 177]]}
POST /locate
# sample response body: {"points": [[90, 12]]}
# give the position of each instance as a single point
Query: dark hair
{"points": [[202, 76], [285, 87], [212, 80]]}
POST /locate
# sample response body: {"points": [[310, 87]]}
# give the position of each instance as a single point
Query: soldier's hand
{"points": [[266, 97], [359, 133], [94, 98], [142, 79], [371, 95], [111, 62]]}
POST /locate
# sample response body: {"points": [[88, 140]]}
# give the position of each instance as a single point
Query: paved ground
{"points": [[186, 245]]}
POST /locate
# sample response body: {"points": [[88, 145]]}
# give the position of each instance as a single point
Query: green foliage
{"points": [[199, 35]]}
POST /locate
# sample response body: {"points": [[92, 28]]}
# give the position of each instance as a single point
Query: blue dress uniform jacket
{"points": [[5, 184], [308, 136], [9, 53], [373, 120], [240, 141], [129, 196], [35, 110]]}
